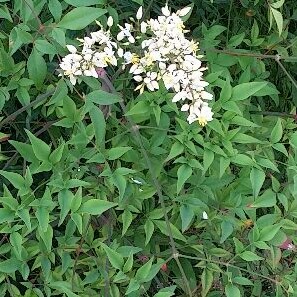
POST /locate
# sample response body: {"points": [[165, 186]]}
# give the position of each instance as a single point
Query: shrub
{"points": [[110, 192]]}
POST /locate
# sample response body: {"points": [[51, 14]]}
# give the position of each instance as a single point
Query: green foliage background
{"points": [[74, 220]]}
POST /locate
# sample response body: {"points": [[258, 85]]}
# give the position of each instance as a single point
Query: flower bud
{"points": [[110, 21], [72, 49], [139, 13]]}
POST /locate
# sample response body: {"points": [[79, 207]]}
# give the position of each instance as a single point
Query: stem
{"points": [[273, 113], [12, 116], [249, 54]]}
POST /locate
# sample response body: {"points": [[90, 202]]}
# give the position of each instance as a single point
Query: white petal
{"points": [[139, 13], [120, 36], [204, 215], [131, 39], [185, 107], [165, 10], [72, 79], [138, 78], [184, 11], [110, 21], [143, 27], [72, 49], [176, 97], [120, 52], [155, 85], [205, 95]]}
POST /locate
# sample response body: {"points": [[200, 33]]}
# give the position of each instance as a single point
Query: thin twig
{"points": [[39, 99], [249, 54]]}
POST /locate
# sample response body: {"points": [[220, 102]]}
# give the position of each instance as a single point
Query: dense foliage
{"points": [[108, 192]]}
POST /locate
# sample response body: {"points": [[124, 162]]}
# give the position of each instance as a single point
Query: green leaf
{"points": [[164, 293], [293, 139], [149, 228], [278, 17], [277, 132], [37, 68], [129, 263], [208, 157], [268, 232], [267, 199], [65, 198], [206, 281], [140, 107], [99, 124], [47, 237], [55, 8], [242, 281], [9, 266], [250, 256], [133, 286], [257, 178], [45, 47], [164, 229], [4, 13], [79, 3], [116, 152], [127, 220], [77, 219], [96, 206], [103, 98], [40, 148], [183, 174], [227, 229], [242, 160], [186, 215], [232, 291], [80, 17], [14, 178], [143, 272], [42, 215], [244, 138], [63, 287], [176, 149], [6, 215], [116, 260], [245, 90]]}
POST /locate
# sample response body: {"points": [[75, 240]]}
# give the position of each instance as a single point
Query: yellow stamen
{"points": [[135, 59], [202, 121]]}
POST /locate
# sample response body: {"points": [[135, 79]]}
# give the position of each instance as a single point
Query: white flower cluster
{"points": [[169, 56], [98, 51], [164, 55]]}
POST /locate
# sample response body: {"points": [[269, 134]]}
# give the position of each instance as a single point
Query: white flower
{"points": [[125, 32], [71, 66], [110, 21], [201, 112], [205, 215], [151, 81], [139, 13]]}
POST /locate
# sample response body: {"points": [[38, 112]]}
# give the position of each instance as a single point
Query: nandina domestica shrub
{"points": [[147, 148]]}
